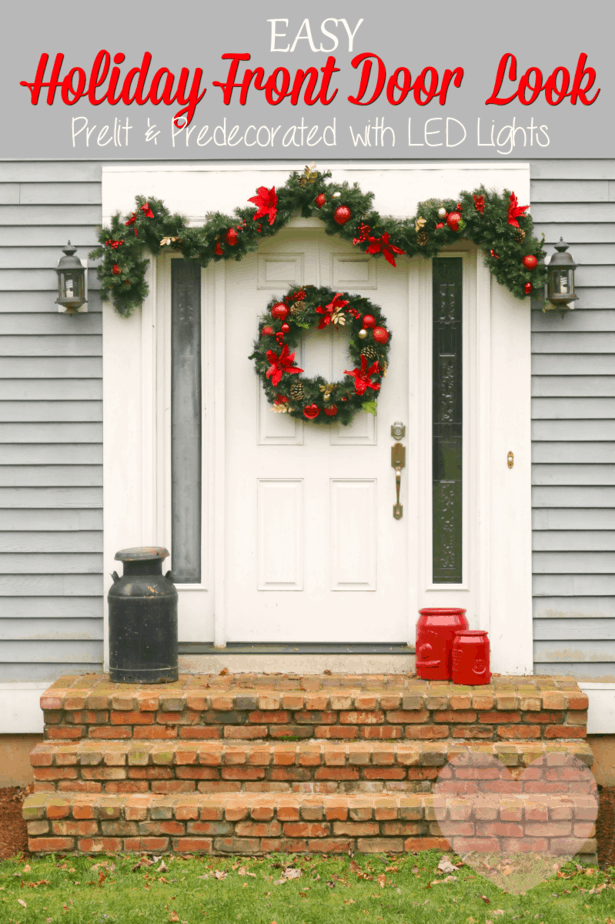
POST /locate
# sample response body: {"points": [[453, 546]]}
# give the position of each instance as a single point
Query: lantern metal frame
{"points": [[560, 280], [73, 269]]}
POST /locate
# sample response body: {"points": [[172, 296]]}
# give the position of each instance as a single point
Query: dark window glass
{"points": [[186, 421], [447, 420]]}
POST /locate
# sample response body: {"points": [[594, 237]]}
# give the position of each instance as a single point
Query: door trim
{"points": [[131, 364]]}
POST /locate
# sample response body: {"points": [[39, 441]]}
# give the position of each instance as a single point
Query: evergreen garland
{"points": [[492, 220], [279, 332]]}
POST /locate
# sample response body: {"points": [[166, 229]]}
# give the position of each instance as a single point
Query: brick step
{"points": [[260, 823], [339, 707], [120, 766]]}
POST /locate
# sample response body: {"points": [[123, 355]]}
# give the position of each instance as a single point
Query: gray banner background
{"points": [[473, 35]]}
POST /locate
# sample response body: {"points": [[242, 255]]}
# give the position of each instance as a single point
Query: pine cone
{"points": [[296, 309], [422, 238], [519, 235], [297, 391], [369, 353]]}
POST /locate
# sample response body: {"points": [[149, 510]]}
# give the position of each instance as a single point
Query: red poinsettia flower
{"points": [[383, 245], [131, 221], [148, 212], [330, 310], [280, 399], [515, 211], [362, 377], [280, 363], [266, 201], [479, 204]]}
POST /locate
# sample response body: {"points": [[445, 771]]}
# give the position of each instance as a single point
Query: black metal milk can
{"points": [[142, 619]]}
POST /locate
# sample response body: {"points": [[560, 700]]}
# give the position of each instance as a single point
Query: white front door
{"points": [[313, 552], [297, 536]]}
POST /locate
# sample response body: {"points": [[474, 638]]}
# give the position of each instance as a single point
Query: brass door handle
{"points": [[398, 461]]}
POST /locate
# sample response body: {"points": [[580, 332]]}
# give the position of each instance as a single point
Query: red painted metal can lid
{"points": [[471, 632], [441, 611]]}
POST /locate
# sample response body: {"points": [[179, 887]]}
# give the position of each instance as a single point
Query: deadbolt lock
{"points": [[398, 430]]}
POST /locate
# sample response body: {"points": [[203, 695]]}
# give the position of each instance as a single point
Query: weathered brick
{"points": [[99, 845], [258, 829], [237, 845], [336, 731], [330, 845], [306, 829], [50, 844], [565, 731], [201, 733], [146, 844], [37, 827], [382, 732], [380, 845], [154, 732], [366, 717], [161, 828], [425, 732], [104, 732], [497, 717], [455, 715], [55, 773], [66, 732], [83, 828]]}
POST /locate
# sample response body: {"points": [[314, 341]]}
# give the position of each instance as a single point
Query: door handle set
{"points": [[398, 461]]}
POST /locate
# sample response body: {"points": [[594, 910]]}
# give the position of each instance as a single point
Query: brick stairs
{"points": [[257, 763]]}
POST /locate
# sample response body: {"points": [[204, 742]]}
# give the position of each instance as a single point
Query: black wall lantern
{"points": [[72, 292], [560, 278]]}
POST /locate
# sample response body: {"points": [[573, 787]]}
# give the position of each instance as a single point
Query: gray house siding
{"points": [[51, 582], [51, 604], [573, 429]]}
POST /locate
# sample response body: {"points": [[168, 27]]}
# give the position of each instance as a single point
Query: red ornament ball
{"points": [[311, 411], [219, 250], [231, 237], [528, 287], [440, 224], [331, 411], [285, 328], [369, 321], [320, 200], [530, 261], [267, 332], [342, 214], [381, 335], [279, 311], [116, 270], [452, 220]]}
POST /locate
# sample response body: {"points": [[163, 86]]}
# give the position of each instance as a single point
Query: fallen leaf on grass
{"points": [[220, 874], [445, 865], [486, 900], [173, 916], [21, 902], [163, 868], [381, 880]]}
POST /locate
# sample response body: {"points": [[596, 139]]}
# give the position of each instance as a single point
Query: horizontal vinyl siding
{"points": [[573, 428], [51, 581]]}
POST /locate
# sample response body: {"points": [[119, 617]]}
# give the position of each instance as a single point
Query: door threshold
{"points": [[296, 648], [306, 658]]}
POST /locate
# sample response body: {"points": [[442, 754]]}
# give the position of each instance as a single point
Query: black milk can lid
{"points": [[142, 553]]}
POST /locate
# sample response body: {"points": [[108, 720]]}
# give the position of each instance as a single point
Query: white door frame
{"points": [[498, 381]]}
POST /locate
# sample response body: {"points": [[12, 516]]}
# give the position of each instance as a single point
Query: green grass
{"points": [[399, 890]]}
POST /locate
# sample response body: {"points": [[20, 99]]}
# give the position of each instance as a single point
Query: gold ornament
{"points": [[384, 366], [420, 223], [297, 391], [167, 241], [338, 317], [310, 175], [282, 408], [363, 334], [422, 238], [327, 391], [519, 235]]}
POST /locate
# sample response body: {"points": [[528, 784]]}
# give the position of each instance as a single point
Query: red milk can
{"points": [[471, 657], [435, 632]]}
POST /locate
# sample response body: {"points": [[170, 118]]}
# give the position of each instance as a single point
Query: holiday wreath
{"points": [[304, 307], [496, 223]]}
